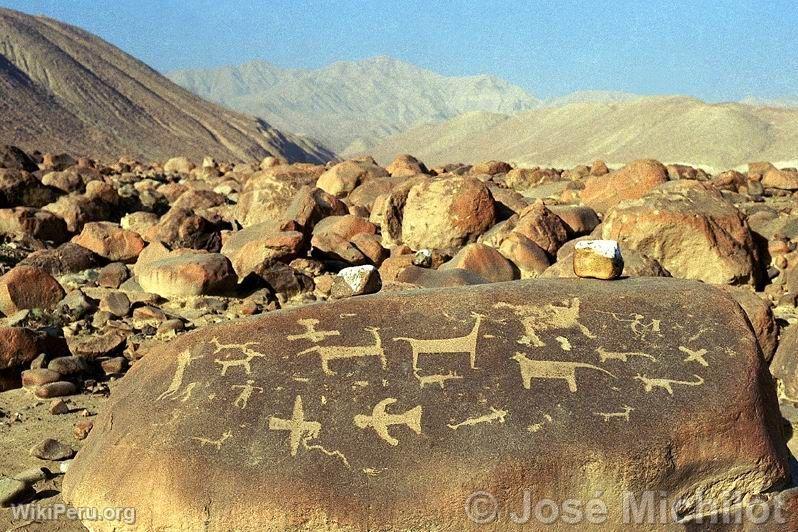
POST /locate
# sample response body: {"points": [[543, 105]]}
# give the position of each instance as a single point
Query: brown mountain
{"points": [[65, 90], [673, 129]]}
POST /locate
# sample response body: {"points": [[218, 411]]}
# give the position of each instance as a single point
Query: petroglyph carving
{"points": [[334, 454], [380, 420], [694, 356], [549, 317], [605, 355], [214, 443], [666, 384], [565, 345], [494, 415], [624, 414], [300, 429], [185, 395], [551, 369], [310, 332], [339, 352], [535, 427], [438, 379], [183, 361], [701, 331], [444, 346], [249, 355], [246, 393], [636, 323]]}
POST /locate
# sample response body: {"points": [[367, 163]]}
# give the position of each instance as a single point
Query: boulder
{"points": [[346, 417], [28, 287], [344, 177], [110, 241], [38, 224], [760, 314], [21, 189], [267, 194], [784, 365], [310, 205], [491, 168], [259, 245], [542, 227], [16, 159], [184, 273], [484, 261], [630, 182], [780, 179], [579, 219], [530, 259], [406, 166], [598, 259], [18, 347], [178, 165], [691, 230], [66, 258], [446, 212]]}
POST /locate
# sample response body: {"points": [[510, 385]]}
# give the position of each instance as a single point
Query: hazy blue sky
{"points": [[716, 50]]}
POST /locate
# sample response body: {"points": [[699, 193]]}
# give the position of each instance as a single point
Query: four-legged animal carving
{"points": [[445, 346], [338, 352], [551, 369]]}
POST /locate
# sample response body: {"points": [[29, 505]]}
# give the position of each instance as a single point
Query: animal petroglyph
{"points": [[536, 427], [438, 379], [548, 317], [637, 324], [624, 414], [310, 332], [249, 355], [246, 393], [666, 384], [605, 355], [551, 369], [694, 356], [185, 395], [334, 454], [494, 415], [214, 443], [701, 331], [445, 346], [183, 360], [380, 420], [300, 429], [565, 345], [339, 352]]}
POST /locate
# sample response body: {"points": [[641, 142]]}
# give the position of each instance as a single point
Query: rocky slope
{"points": [[672, 129], [65, 90], [348, 105]]}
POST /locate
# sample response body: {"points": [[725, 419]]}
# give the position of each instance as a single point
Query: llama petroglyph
{"points": [[183, 360], [666, 384], [624, 414], [214, 443], [694, 356], [548, 317], [605, 355], [300, 430], [637, 324], [340, 352], [380, 420], [494, 415], [551, 369], [249, 356], [445, 346], [246, 393], [439, 379], [310, 332]]}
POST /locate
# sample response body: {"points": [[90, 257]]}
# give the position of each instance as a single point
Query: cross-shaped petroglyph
{"points": [[494, 415], [249, 355], [302, 431], [310, 332], [380, 420], [246, 393], [535, 427], [551, 369], [445, 346], [623, 414], [439, 379], [339, 352], [694, 356], [605, 355], [214, 443], [183, 360], [548, 317], [636, 323], [649, 384]]}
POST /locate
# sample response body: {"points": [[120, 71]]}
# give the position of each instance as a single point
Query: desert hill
{"points": [[668, 128], [352, 103], [63, 89]]}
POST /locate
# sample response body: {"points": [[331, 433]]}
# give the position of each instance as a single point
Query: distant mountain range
{"points": [[348, 106], [65, 90]]}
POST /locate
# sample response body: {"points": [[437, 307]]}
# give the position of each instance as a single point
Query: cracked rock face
{"points": [[346, 417]]}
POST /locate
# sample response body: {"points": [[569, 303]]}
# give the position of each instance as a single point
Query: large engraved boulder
{"points": [[389, 411]]}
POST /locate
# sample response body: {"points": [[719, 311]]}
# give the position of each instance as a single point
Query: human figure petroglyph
{"points": [[310, 332], [666, 384], [339, 352], [548, 317], [380, 420], [249, 356], [551, 369], [183, 360], [624, 414], [494, 415], [445, 346], [605, 355], [300, 429], [246, 393], [439, 379], [214, 443], [694, 356]]}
